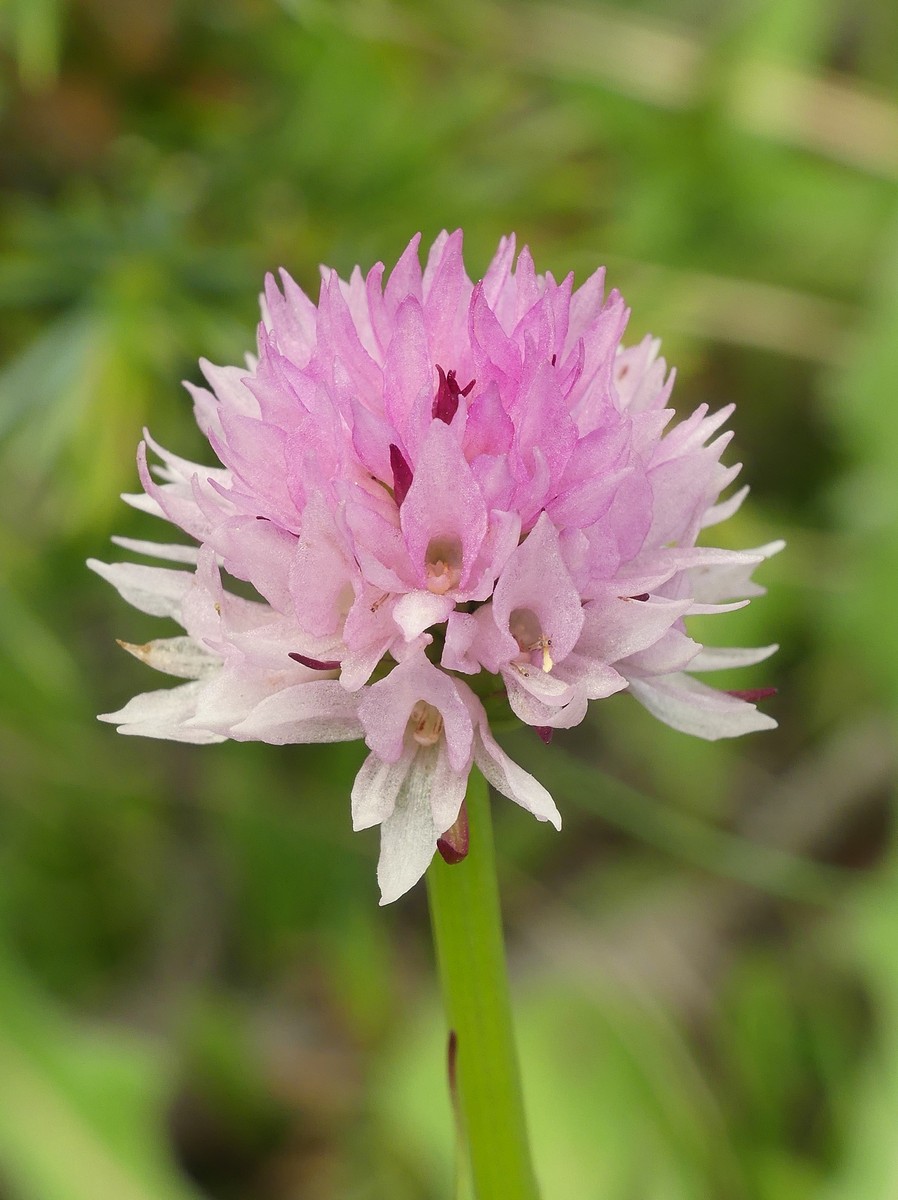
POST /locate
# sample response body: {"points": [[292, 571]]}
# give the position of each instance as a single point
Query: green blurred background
{"points": [[199, 996]]}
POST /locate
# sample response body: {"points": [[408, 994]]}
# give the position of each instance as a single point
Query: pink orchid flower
{"points": [[455, 502]]}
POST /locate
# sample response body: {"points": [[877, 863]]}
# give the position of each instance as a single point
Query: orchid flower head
{"points": [[458, 503]]}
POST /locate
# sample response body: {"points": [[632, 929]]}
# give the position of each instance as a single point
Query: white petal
{"points": [[270, 643], [694, 558], [171, 552], [729, 579], [725, 508], [673, 652], [408, 837], [144, 503], [179, 469], [376, 787], [418, 610], [692, 707], [511, 780], [447, 788], [530, 709], [706, 610], [163, 714], [318, 711], [154, 590], [231, 694], [180, 656], [228, 383], [720, 658]]}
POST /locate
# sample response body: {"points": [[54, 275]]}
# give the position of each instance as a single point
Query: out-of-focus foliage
{"points": [[198, 993]]}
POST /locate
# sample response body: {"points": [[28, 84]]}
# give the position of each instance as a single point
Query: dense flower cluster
{"points": [[455, 501]]}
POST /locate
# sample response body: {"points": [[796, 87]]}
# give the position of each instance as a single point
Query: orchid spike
{"points": [[432, 559]]}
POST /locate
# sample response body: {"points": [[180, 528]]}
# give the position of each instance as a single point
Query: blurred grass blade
{"points": [[79, 1114], [657, 823], [31, 647]]}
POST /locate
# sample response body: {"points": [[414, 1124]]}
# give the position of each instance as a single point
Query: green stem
{"points": [[467, 930]]}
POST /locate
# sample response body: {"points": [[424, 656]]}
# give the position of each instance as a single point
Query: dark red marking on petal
{"points": [[453, 844], [753, 695], [545, 732], [641, 596], [554, 359], [402, 474], [315, 663], [445, 404]]}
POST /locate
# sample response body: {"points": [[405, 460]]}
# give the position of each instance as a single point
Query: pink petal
{"points": [[535, 578], [554, 704], [447, 291], [321, 572], [443, 504], [405, 278], [618, 626], [409, 378], [387, 705]]}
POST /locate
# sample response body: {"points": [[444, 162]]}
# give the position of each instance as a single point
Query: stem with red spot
{"points": [[467, 929]]}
